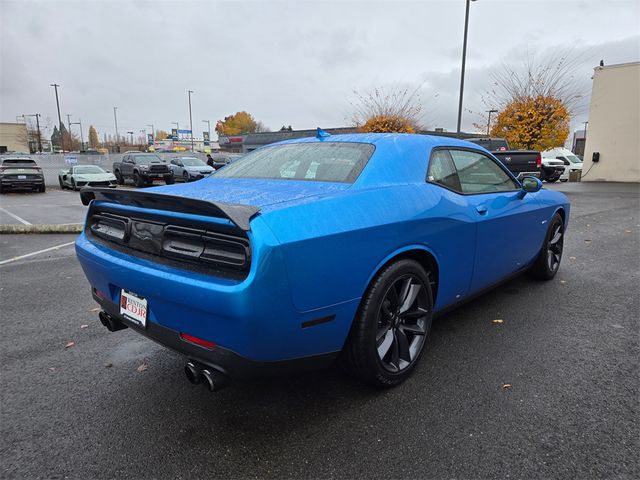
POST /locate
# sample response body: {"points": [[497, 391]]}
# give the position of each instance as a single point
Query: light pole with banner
{"points": [[190, 119], [207, 138]]}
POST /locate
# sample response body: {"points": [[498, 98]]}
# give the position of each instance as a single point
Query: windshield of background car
{"points": [[87, 169], [321, 162], [574, 159], [192, 162], [146, 159]]}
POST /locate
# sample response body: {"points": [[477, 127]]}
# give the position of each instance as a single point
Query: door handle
{"points": [[481, 209]]}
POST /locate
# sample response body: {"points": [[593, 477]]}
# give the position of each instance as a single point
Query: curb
{"points": [[42, 228]]}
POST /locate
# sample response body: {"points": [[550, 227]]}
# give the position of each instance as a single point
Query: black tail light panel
{"points": [[183, 244]]}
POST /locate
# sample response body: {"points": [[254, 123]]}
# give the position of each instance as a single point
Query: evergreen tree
{"points": [[94, 142], [56, 138]]}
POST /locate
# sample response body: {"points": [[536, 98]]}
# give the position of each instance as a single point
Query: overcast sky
{"points": [[286, 62]]}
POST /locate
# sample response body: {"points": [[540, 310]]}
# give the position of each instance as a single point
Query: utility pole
{"points": [[464, 58], [208, 128], [37, 115], [55, 86], [115, 119], [190, 119], [489, 119], [177, 130], [79, 122]]}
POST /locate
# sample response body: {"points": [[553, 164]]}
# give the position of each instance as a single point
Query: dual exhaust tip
{"points": [[210, 377]]}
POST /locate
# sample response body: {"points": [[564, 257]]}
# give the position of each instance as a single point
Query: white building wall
{"points": [[614, 125]]}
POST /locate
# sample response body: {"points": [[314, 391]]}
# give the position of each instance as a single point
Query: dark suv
{"points": [[143, 168], [20, 173]]}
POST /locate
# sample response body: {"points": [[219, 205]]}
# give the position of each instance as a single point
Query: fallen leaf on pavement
{"points": [[587, 240], [142, 367], [506, 385], [627, 231], [572, 258], [70, 344], [563, 281], [497, 321], [95, 309], [108, 365], [52, 369], [84, 326]]}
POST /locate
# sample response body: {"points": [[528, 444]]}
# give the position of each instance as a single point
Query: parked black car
{"points": [[520, 162], [20, 173], [143, 169]]}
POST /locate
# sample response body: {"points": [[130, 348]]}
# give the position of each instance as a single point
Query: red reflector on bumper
{"points": [[198, 341], [99, 294]]}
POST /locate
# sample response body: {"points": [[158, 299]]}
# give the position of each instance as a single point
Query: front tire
{"points": [[392, 325], [119, 177], [138, 180], [169, 181], [62, 187], [548, 262], [73, 185], [185, 177]]}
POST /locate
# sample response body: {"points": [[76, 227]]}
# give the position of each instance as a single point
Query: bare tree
{"points": [[261, 127], [391, 102], [552, 77]]}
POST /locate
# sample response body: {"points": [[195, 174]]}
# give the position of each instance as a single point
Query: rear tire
{"points": [[548, 262], [42, 189], [392, 325], [169, 181]]}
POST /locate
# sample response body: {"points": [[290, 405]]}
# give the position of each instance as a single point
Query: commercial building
{"points": [[14, 138], [251, 141], [612, 149]]}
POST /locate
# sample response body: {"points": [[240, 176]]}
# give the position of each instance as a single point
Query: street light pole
{"points": [[177, 130], [69, 122], [464, 58], [489, 119], [190, 119], [115, 119], [55, 86], [153, 133]]}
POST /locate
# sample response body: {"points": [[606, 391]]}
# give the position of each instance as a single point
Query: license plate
{"points": [[22, 177], [133, 307]]}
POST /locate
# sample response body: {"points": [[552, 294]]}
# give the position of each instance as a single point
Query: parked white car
{"points": [[572, 162]]}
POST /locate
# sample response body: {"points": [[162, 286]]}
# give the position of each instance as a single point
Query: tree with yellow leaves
{"points": [[535, 102], [237, 124], [538, 123]]}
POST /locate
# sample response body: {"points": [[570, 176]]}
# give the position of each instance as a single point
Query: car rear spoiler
{"points": [[240, 215]]}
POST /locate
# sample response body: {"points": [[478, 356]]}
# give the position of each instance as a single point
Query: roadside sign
{"points": [[70, 159], [205, 138]]}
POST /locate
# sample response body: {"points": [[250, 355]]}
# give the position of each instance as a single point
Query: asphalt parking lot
{"points": [[115, 405]]}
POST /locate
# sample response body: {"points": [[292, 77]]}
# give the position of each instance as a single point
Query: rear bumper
{"points": [[253, 318], [15, 184], [220, 358]]}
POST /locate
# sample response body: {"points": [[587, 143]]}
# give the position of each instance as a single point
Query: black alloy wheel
{"points": [[73, 185], [62, 187], [392, 325], [548, 262], [402, 326]]}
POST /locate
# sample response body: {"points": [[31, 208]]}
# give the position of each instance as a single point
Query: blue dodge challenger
{"points": [[317, 248]]}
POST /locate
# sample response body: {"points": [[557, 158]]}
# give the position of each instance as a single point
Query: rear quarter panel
{"points": [[333, 247]]}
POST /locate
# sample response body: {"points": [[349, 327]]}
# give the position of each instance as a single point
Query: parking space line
{"points": [[21, 220], [36, 253]]}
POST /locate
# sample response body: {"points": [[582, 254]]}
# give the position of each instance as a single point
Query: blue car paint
{"points": [[317, 245]]}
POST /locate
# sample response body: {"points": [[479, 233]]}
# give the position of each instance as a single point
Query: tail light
{"points": [[539, 160], [197, 341]]}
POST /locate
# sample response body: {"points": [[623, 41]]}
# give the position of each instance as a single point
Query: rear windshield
{"points": [[321, 162], [146, 159], [15, 161]]}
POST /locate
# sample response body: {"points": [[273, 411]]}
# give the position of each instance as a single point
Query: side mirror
{"points": [[530, 185]]}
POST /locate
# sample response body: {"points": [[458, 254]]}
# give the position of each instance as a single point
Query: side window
{"points": [[480, 174], [442, 172]]}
